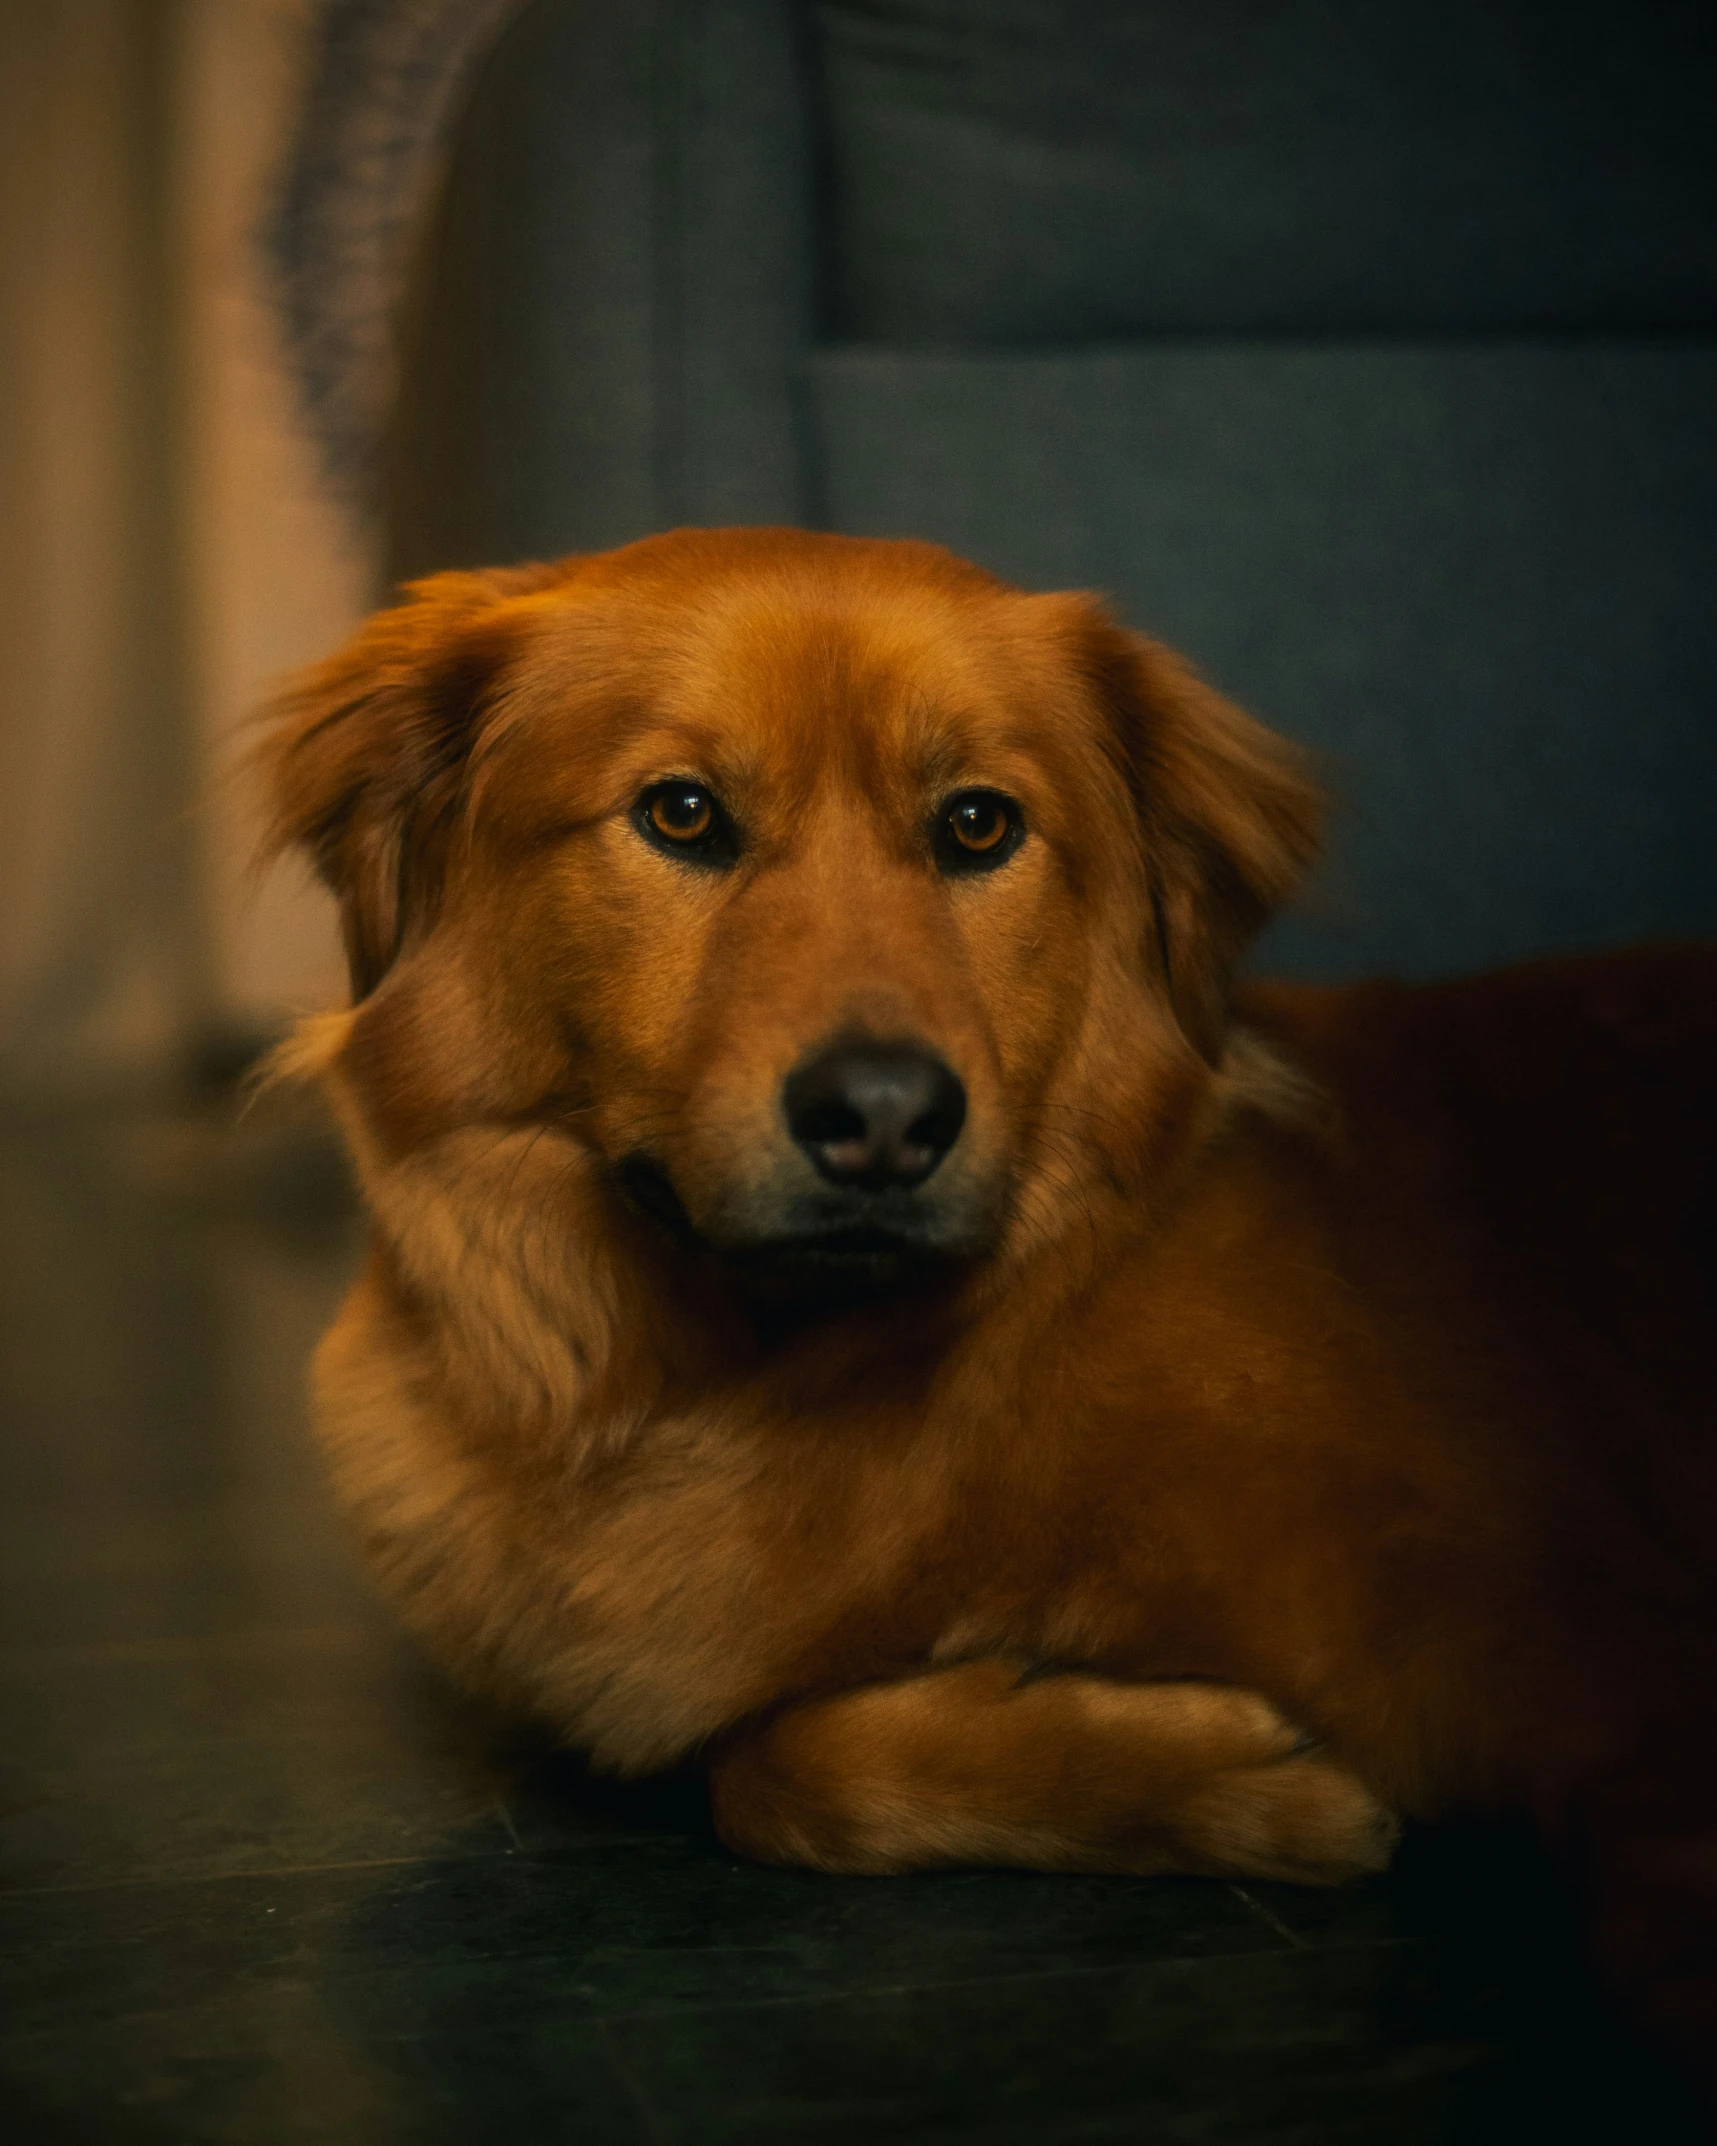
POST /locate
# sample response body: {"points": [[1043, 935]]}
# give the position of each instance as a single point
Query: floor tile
{"points": [[1357, 2045], [267, 1750]]}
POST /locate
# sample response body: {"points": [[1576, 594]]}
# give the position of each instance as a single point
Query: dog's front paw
{"points": [[1281, 1809]]}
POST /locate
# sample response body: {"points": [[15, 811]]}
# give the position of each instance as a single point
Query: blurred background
{"points": [[1365, 352], [1365, 349], [169, 547]]}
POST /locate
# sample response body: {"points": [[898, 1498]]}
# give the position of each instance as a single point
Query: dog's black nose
{"points": [[875, 1115]]}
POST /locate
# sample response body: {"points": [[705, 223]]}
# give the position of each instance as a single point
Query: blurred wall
{"points": [[276, 570], [165, 548]]}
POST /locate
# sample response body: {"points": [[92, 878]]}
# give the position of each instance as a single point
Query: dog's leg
{"points": [[973, 1765]]}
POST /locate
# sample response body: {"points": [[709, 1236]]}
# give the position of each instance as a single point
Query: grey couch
{"points": [[1366, 349]]}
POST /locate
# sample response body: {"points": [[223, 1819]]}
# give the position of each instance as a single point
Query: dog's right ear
{"points": [[365, 755]]}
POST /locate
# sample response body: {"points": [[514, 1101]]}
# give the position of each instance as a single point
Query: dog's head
{"points": [[849, 908]]}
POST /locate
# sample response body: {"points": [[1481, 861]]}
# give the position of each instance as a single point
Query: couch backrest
{"points": [[1015, 172]]}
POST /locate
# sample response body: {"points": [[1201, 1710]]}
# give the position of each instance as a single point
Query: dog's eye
{"points": [[977, 830], [685, 817], [681, 815]]}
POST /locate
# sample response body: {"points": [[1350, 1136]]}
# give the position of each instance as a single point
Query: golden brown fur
{"points": [[1301, 1409]]}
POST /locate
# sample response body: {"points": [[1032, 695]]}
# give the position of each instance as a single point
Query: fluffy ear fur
{"points": [[365, 753], [1229, 813]]}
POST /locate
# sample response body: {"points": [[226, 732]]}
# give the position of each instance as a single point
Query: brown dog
{"points": [[857, 1294]]}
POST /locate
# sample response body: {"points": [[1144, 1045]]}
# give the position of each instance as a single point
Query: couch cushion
{"points": [[612, 289], [1479, 578], [1010, 171]]}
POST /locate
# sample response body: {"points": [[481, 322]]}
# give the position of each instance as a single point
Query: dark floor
{"points": [[265, 1880]]}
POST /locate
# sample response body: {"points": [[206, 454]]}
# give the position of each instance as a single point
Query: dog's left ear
{"points": [[1230, 817]]}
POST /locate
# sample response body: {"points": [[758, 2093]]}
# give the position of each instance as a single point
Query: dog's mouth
{"points": [[857, 1257], [822, 1252], [649, 1188]]}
